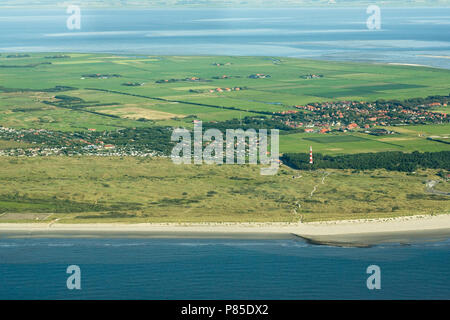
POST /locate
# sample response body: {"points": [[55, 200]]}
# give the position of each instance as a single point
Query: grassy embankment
{"points": [[86, 190]]}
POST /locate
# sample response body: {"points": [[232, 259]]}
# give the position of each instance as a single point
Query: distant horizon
{"points": [[218, 4]]}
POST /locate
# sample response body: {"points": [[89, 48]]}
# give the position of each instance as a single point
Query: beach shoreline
{"points": [[342, 233]]}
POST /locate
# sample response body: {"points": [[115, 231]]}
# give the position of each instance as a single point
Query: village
{"points": [[353, 115], [43, 142], [327, 117], [89, 150]]}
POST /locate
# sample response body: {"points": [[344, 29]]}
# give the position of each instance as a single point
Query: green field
{"points": [[284, 88], [22, 104], [406, 139]]}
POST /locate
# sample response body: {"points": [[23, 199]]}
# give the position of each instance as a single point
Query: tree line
{"points": [[391, 160]]}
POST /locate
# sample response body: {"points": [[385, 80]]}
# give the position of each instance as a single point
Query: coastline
{"points": [[359, 233]]}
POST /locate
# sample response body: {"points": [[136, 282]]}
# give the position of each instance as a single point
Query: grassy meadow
{"points": [[128, 189]]}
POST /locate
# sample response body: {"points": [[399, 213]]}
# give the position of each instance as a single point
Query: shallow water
{"points": [[406, 34]]}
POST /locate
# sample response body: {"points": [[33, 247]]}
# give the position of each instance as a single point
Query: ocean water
{"points": [[407, 35], [219, 269]]}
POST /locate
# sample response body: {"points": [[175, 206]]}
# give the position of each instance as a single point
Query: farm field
{"points": [[282, 89], [430, 130], [119, 91], [406, 139], [98, 189]]}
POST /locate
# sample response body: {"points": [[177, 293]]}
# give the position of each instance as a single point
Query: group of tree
{"points": [[260, 122], [148, 138], [54, 89], [392, 160], [414, 102]]}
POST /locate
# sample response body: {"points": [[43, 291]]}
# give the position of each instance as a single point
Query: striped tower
{"points": [[310, 155]]}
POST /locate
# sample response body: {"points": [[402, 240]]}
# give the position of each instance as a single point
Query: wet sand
{"points": [[341, 233]]}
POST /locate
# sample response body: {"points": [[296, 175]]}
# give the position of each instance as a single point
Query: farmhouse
{"points": [[259, 76], [352, 126]]}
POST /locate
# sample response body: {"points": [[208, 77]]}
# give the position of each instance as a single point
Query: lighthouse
{"points": [[310, 155]]}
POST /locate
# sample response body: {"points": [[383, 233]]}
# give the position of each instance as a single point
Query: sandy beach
{"points": [[345, 232]]}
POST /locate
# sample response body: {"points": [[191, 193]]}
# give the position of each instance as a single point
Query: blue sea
{"points": [[407, 35], [127, 268]]}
